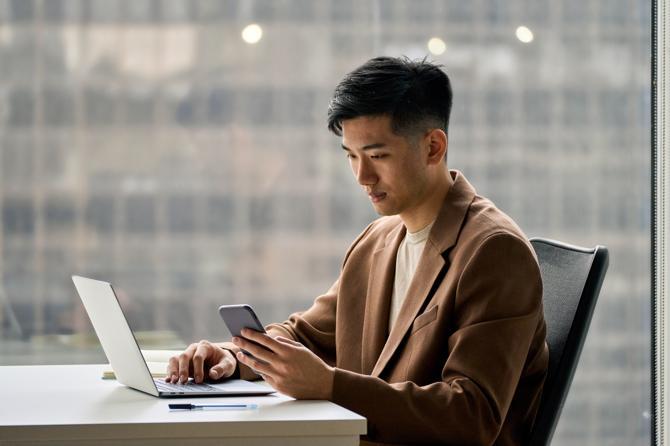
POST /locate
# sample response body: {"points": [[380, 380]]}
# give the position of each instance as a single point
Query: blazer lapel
{"points": [[443, 236], [378, 302], [426, 272]]}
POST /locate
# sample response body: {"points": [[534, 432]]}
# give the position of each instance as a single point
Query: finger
{"points": [[172, 369], [185, 362], [260, 367], [201, 353], [224, 368], [262, 339], [270, 380], [288, 341], [258, 351]]}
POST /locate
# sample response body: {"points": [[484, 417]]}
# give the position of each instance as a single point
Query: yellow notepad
{"points": [[157, 361]]}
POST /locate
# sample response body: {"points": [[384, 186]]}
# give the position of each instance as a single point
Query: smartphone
{"points": [[238, 317]]}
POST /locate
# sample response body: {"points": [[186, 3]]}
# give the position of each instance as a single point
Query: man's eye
{"points": [[378, 157], [351, 156]]}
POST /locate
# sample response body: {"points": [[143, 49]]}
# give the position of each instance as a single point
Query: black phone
{"points": [[238, 317]]}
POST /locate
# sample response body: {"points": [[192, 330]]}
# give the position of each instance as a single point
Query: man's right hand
{"points": [[200, 358]]}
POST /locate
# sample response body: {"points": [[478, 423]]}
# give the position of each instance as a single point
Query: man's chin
{"points": [[384, 211]]}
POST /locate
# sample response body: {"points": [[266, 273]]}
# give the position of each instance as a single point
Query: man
{"points": [[434, 330]]}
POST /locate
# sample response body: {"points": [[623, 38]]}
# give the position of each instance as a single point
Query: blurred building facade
{"points": [[146, 143]]}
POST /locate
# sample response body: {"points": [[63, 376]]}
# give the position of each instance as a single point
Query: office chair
{"points": [[571, 277]]}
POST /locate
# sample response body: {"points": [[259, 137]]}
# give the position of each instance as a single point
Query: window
{"points": [[58, 109], [140, 215], [181, 214], [146, 143], [100, 106], [21, 108], [100, 214], [18, 217]]}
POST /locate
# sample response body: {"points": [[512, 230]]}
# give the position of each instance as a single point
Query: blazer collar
{"points": [[442, 237], [449, 221]]}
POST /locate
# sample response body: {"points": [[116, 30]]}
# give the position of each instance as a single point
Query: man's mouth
{"points": [[376, 197]]}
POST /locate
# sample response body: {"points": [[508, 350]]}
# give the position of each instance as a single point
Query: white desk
{"points": [[74, 406]]}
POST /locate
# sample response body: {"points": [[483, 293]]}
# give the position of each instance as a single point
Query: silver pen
{"points": [[212, 406]]}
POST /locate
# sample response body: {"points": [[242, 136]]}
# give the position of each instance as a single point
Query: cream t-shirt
{"points": [[406, 261]]}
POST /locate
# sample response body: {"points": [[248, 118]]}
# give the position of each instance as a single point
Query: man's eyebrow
{"points": [[377, 145]]}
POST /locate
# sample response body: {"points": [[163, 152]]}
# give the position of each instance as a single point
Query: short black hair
{"points": [[415, 94]]}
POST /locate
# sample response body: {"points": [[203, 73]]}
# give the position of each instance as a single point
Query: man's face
{"points": [[391, 170]]}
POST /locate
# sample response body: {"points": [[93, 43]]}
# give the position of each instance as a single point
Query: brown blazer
{"points": [[466, 360]]}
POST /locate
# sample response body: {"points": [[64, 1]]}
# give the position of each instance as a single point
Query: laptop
{"points": [[124, 353]]}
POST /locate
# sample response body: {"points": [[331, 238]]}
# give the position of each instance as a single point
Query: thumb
{"points": [[222, 370]]}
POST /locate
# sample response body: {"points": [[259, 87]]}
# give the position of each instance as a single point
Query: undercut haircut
{"points": [[415, 94]]}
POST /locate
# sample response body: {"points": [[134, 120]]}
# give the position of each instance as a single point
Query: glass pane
{"points": [[22, 10], [21, 108], [176, 158], [18, 218]]}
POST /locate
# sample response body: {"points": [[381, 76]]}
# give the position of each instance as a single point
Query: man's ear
{"points": [[437, 146]]}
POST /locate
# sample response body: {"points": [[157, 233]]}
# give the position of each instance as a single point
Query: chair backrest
{"points": [[571, 279]]}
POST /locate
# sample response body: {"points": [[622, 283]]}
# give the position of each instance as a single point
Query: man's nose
{"points": [[365, 174]]}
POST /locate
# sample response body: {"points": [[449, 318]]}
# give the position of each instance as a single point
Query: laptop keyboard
{"points": [[190, 386]]}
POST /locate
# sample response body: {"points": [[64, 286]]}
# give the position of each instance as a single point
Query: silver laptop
{"points": [[124, 354]]}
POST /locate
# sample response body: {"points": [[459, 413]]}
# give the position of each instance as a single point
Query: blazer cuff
{"points": [[348, 389], [351, 391], [275, 330]]}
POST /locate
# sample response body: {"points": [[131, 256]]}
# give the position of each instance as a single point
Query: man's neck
{"points": [[418, 218]]}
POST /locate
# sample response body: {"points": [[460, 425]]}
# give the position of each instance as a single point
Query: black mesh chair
{"points": [[572, 277]]}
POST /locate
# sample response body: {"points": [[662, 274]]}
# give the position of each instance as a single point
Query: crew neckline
{"points": [[420, 235]]}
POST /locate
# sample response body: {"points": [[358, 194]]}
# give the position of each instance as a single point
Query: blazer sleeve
{"points": [[314, 328], [497, 309]]}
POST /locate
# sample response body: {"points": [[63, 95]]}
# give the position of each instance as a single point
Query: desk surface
{"points": [[72, 404]]}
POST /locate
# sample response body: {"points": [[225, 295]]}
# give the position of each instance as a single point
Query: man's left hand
{"points": [[288, 366]]}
